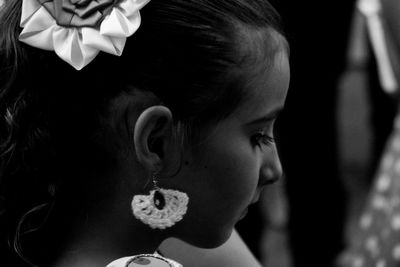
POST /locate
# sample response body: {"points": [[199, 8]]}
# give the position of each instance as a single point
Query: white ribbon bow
{"points": [[80, 45]]}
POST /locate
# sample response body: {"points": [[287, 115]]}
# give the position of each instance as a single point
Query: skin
{"points": [[227, 171], [222, 175], [233, 253]]}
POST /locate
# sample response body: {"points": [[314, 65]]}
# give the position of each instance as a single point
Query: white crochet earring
{"points": [[161, 208]]}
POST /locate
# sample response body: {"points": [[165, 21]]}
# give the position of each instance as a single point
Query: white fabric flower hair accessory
{"points": [[77, 30]]}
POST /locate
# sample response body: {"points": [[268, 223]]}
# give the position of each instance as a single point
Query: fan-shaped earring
{"points": [[161, 208]]}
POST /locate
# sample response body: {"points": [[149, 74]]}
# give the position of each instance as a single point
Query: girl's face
{"points": [[226, 172]]}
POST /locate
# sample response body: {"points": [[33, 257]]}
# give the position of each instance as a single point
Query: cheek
{"points": [[232, 172], [221, 181]]}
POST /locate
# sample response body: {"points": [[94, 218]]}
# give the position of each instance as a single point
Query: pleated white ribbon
{"points": [[372, 11], [80, 45]]}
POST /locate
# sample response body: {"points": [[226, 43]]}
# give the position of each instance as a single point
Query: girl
{"points": [[105, 156]]}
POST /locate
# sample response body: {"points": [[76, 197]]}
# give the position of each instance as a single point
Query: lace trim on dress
{"points": [[149, 260]]}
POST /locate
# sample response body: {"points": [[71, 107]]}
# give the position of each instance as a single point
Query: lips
{"points": [[261, 185], [253, 201], [244, 213], [256, 198]]}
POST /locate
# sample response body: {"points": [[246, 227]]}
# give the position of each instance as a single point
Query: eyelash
{"points": [[263, 139]]}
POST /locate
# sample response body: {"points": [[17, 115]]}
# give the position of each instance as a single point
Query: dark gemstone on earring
{"points": [[159, 200]]}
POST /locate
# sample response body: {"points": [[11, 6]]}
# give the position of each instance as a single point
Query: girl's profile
{"points": [[128, 122]]}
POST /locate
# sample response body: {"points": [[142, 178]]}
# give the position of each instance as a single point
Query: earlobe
{"points": [[152, 133]]}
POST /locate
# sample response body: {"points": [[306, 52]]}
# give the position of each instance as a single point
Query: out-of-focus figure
{"points": [[376, 239]]}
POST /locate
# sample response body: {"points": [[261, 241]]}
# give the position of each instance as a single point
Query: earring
{"points": [[162, 208]]}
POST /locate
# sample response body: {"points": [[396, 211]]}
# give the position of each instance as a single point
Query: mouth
{"points": [[261, 187], [253, 201], [256, 198], [244, 213]]}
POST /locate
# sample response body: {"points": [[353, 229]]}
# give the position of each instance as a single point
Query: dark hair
{"points": [[51, 115]]}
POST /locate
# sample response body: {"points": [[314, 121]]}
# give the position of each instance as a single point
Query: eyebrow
{"points": [[266, 118]]}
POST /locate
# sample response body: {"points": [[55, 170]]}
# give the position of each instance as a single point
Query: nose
{"points": [[271, 170]]}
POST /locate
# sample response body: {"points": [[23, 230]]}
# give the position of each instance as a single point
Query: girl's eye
{"points": [[262, 139]]}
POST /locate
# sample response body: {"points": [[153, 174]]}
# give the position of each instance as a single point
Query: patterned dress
{"points": [[377, 240]]}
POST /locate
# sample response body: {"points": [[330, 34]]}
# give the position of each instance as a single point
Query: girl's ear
{"points": [[152, 136]]}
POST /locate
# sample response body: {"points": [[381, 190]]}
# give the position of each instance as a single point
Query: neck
{"points": [[92, 250], [102, 239]]}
